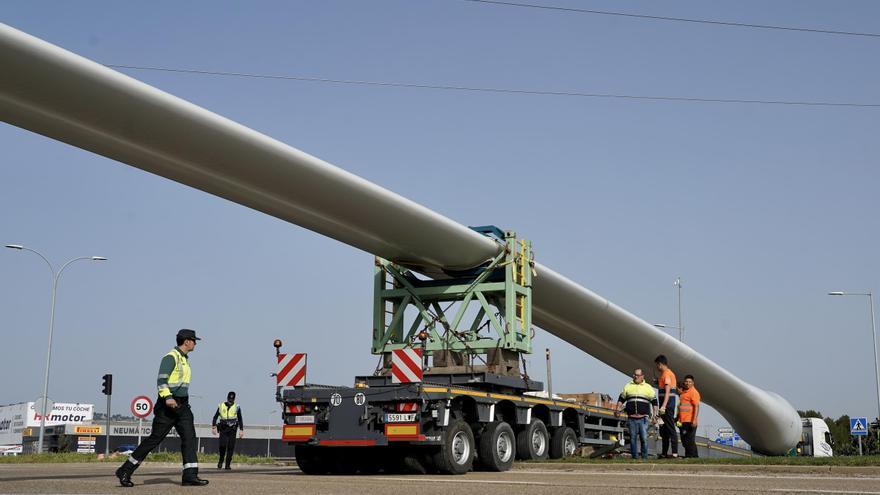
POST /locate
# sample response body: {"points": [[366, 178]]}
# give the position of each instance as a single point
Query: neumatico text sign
{"points": [[130, 430]]}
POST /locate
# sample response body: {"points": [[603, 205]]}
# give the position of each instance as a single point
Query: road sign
{"points": [[858, 426], [141, 406]]}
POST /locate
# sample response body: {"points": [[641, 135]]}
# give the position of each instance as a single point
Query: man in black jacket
{"points": [[227, 420]]}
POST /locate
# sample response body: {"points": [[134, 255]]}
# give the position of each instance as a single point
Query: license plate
{"points": [[400, 418], [304, 419]]}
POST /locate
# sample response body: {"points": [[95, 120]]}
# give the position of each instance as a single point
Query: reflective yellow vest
{"points": [[179, 377], [638, 398], [228, 413]]}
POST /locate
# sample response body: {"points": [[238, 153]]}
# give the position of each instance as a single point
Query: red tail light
{"points": [[295, 408]]}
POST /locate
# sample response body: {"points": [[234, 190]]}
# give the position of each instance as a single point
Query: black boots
{"points": [[124, 473], [191, 478], [190, 475]]}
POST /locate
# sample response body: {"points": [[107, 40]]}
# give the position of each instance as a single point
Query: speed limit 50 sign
{"points": [[141, 406]]}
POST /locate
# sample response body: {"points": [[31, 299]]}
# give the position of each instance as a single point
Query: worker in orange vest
{"points": [[667, 390], [688, 416]]}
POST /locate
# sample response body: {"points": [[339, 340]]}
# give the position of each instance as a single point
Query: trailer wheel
{"points": [[456, 452], [564, 443], [497, 447], [532, 442], [313, 460]]}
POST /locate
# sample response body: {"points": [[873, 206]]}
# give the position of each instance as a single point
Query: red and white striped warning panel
{"points": [[406, 407], [291, 371], [406, 365]]}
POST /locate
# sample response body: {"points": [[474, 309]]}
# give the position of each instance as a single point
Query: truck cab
{"points": [[816, 439]]}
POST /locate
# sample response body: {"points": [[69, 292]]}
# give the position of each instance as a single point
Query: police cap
{"points": [[187, 334]]}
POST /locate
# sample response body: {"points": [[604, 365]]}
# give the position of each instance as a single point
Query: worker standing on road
{"points": [[172, 411], [229, 416], [688, 416], [667, 391], [640, 403]]}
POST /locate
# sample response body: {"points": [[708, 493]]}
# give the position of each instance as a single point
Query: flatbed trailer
{"points": [[431, 405], [448, 424]]}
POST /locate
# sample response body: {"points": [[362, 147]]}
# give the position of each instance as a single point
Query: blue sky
{"points": [[761, 209]]}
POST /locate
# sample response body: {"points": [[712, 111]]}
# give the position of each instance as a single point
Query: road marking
{"points": [[703, 475], [540, 483], [456, 480], [807, 490]]}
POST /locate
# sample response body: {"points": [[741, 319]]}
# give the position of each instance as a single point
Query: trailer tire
{"points": [[456, 452], [563, 443], [497, 447], [533, 442], [313, 460]]}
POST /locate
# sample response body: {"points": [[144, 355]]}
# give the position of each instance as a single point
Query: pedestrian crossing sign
{"points": [[858, 426]]}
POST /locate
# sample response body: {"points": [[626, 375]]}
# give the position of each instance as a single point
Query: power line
{"points": [[393, 84], [674, 19]]}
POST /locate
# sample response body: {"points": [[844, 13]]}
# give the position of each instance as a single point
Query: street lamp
{"points": [[873, 335], [664, 325], [269, 433], [55, 277]]}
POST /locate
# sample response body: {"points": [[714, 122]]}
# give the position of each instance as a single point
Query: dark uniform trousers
{"points": [[227, 442], [689, 440], [667, 430], [166, 418]]}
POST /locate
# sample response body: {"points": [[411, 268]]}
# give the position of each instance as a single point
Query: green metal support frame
{"points": [[502, 288]]}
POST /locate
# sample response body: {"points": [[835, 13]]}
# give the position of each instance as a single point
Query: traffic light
{"points": [[108, 384]]}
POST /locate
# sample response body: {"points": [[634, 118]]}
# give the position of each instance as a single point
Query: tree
{"points": [[809, 413]]}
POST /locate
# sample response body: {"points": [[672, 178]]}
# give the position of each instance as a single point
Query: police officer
{"points": [[172, 411], [229, 416]]}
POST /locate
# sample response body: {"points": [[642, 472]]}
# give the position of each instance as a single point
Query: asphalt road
{"points": [[255, 480]]}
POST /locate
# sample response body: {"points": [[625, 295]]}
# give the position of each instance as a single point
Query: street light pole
{"points": [[677, 284], [870, 295], [55, 277], [269, 433], [198, 437]]}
